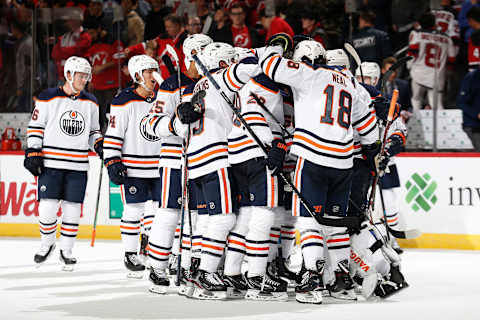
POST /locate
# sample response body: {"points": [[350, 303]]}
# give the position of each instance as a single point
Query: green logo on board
{"points": [[421, 192]]}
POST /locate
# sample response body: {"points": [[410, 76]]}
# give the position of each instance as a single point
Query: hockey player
{"points": [[323, 141], [165, 124], [258, 190], [63, 127], [208, 158], [131, 155], [431, 51]]}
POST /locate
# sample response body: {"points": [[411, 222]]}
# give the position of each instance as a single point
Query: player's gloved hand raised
{"points": [[34, 161], [283, 40], [189, 112], [116, 170], [98, 147], [276, 156]]}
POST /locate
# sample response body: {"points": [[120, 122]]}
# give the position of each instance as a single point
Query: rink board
{"points": [[440, 195]]}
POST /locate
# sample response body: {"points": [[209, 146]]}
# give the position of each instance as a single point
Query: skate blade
{"points": [[233, 293], [135, 274], [344, 295], [256, 295], [67, 267], [186, 291], [203, 294], [158, 289], [310, 297], [395, 292]]}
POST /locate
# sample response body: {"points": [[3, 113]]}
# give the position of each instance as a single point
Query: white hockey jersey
{"points": [[431, 50], [126, 135], [65, 128], [327, 108], [208, 147], [241, 146], [445, 22]]}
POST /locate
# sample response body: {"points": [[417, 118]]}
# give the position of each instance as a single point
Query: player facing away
{"points": [[258, 191], [164, 123], [131, 155], [323, 142], [63, 128], [208, 158]]}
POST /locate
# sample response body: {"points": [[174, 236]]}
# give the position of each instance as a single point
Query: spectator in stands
{"points": [[194, 25], [312, 27], [154, 25], [271, 22], [371, 44], [469, 101], [75, 42], [135, 27], [105, 77], [220, 29], [403, 87], [465, 28], [473, 17], [95, 12], [23, 64], [292, 11], [143, 8]]}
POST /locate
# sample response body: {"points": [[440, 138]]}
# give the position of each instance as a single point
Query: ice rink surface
{"points": [[443, 285]]}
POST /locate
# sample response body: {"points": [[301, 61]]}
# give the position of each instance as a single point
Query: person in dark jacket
{"points": [[469, 101], [371, 44], [154, 25]]}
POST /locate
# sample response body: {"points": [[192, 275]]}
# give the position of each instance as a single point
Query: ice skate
{"points": [[68, 261], [265, 288], [186, 287], [159, 279], [43, 254], [342, 289], [236, 286], [310, 288], [134, 265], [392, 285], [208, 286]]}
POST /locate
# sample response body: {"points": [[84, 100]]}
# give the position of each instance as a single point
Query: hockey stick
{"points": [[185, 207], [352, 222], [157, 77], [94, 230], [264, 107], [391, 110], [391, 70], [351, 50]]}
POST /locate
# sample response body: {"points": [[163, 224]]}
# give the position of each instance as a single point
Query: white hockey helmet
{"points": [[243, 53], [371, 73], [194, 42], [76, 64], [215, 53], [310, 49], [338, 57], [137, 64]]}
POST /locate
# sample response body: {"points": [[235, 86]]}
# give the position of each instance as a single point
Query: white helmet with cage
{"points": [[137, 64], [194, 42], [310, 49], [371, 73], [338, 57], [76, 64], [216, 53]]}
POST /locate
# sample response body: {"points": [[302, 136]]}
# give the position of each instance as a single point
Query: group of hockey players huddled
{"points": [[241, 153]]}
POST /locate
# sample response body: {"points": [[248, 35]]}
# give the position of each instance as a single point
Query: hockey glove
{"points": [[189, 112], [370, 152], [393, 147], [276, 156], [116, 170], [34, 161], [283, 40], [98, 147]]}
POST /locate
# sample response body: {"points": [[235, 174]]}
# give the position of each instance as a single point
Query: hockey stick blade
{"points": [[172, 52], [157, 77], [351, 50], [406, 234]]}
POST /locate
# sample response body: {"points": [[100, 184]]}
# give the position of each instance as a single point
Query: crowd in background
{"points": [[37, 36]]}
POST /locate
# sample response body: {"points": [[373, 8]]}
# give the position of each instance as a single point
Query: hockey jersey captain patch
{"points": [[72, 123]]}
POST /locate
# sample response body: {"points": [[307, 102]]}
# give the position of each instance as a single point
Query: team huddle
{"points": [[239, 153]]}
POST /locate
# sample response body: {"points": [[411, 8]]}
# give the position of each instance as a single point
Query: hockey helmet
{"points": [[194, 42], [215, 53], [137, 64], [311, 51], [371, 73], [242, 53], [338, 57], [76, 64]]}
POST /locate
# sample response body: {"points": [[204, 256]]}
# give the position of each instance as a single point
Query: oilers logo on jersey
{"points": [[72, 123], [143, 130]]}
